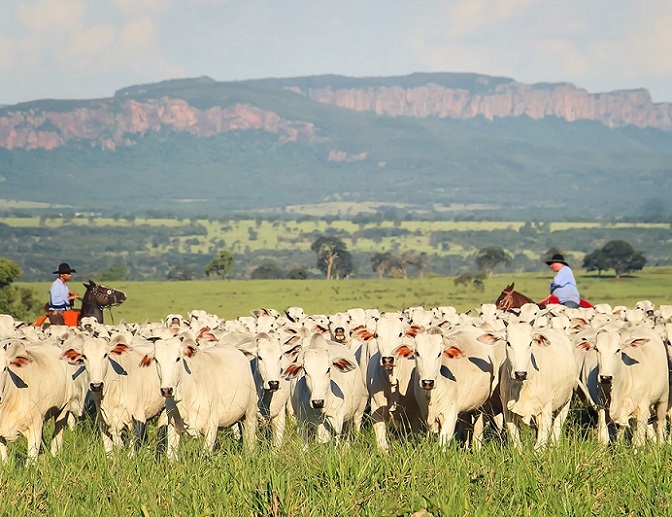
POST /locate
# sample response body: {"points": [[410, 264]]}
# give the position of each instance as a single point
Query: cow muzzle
{"points": [[427, 384], [317, 404], [273, 385], [167, 392], [606, 379], [387, 361], [96, 386], [339, 335], [520, 376]]}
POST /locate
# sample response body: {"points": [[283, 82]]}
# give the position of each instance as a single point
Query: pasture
{"points": [[152, 301], [577, 477]]}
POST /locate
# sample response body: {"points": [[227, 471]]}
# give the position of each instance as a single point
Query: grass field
{"points": [[576, 478], [152, 301]]}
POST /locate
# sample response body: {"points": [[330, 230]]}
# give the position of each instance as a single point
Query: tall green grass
{"points": [[577, 477]]}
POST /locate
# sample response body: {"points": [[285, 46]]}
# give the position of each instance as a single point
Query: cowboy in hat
{"points": [[563, 285], [61, 298]]}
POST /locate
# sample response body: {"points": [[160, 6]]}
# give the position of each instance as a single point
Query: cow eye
{"points": [[401, 334], [105, 356], [83, 356], [177, 360], [328, 370]]}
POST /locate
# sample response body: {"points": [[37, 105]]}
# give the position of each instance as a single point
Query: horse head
{"points": [[103, 296]]}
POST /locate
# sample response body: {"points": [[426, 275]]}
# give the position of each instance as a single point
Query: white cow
{"points": [[34, 386], [126, 395], [267, 363], [538, 378], [205, 390], [329, 391], [388, 380], [453, 376], [633, 362]]}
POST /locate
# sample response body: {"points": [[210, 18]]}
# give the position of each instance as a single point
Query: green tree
{"points": [[117, 271], [488, 258], [381, 263], [19, 302], [181, 273], [267, 271], [222, 265], [622, 257], [596, 261], [333, 259]]}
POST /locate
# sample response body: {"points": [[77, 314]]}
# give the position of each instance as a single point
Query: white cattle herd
{"points": [[420, 370]]}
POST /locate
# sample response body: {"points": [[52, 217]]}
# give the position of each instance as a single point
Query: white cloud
{"points": [[87, 46], [47, 16], [7, 52]]}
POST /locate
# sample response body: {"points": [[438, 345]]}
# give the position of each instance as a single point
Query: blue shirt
{"points": [[58, 295], [564, 286]]}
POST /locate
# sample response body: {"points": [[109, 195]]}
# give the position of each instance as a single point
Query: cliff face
{"points": [[115, 122], [107, 125], [565, 101]]}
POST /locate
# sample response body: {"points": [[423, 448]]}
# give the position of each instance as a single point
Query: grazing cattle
{"points": [[453, 376], [205, 390], [126, 396], [328, 392], [538, 378], [633, 364], [267, 359], [388, 381], [34, 386]]}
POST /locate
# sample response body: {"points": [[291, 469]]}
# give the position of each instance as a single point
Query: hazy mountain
{"points": [[420, 142]]}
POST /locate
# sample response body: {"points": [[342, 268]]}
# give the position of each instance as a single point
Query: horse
{"points": [[511, 299], [96, 298]]}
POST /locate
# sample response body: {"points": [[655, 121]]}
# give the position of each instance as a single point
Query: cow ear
{"points": [[190, 350], [292, 371], [20, 361], [343, 364], [453, 352], [146, 361], [72, 356], [293, 352], [541, 340], [413, 331], [638, 342], [586, 345], [120, 348], [489, 338], [404, 351]]}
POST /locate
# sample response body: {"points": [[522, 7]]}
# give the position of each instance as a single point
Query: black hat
{"points": [[64, 268], [557, 258]]}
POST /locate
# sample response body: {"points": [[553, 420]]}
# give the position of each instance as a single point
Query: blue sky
{"points": [[68, 49]]}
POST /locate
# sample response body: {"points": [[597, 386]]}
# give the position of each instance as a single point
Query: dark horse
{"points": [[98, 297], [511, 299]]}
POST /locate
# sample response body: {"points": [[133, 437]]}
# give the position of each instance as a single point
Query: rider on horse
{"points": [[61, 298]]}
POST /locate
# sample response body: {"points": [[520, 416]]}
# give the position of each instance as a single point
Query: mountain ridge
{"points": [[420, 140]]}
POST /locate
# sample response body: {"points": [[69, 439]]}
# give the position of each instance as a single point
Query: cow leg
{"points": [[60, 424], [4, 452], [479, 428], [447, 423], [544, 425], [34, 436], [661, 421], [210, 438], [602, 427], [278, 427], [379, 418], [558, 422], [250, 428]]}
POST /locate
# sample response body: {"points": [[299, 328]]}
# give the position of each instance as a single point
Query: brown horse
{"points": [[511, 299]]}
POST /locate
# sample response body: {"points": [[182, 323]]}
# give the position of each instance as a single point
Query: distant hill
{"points": [[424, 142]]}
